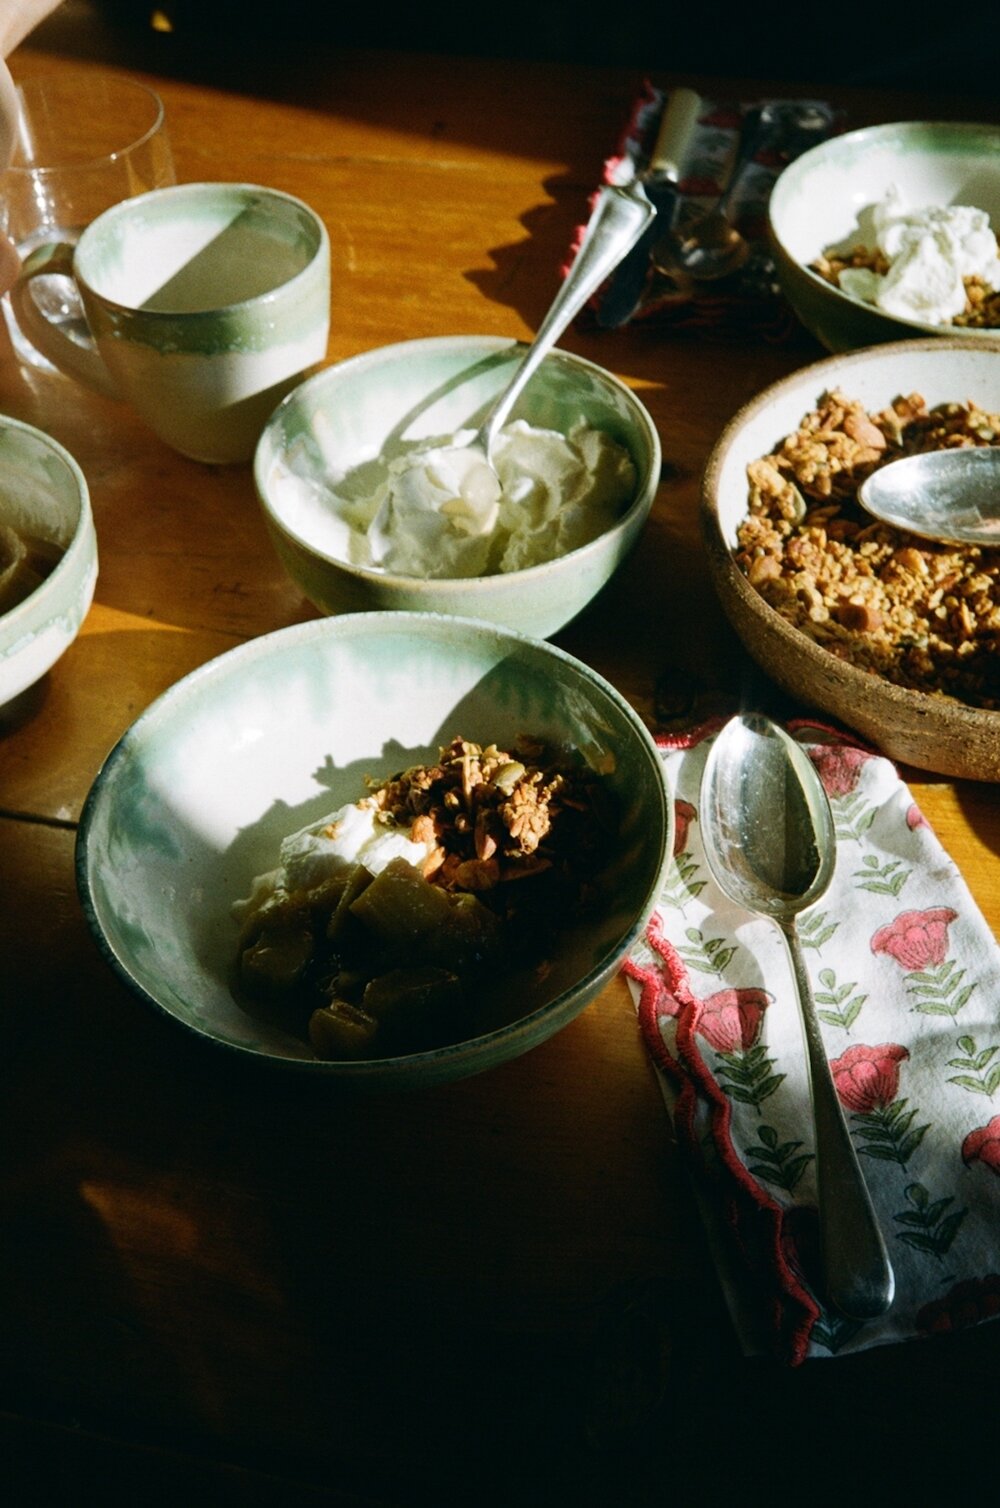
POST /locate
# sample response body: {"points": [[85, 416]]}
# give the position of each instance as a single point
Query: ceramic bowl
{"points": [[347, 414], [193, 801], [824, 198], [44, 497], [930, 732]]}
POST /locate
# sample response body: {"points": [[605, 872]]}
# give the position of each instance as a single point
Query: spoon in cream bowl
{"points": [[771, 847], [464, 462], [952, 496]]}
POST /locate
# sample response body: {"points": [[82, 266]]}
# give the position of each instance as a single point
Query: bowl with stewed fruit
{"points": [[386, 848]]}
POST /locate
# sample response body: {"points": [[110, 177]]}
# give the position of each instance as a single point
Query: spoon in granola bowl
{"points": [[952, 496]]}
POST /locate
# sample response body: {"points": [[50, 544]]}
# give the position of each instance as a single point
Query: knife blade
{"points": [[658, 183]]}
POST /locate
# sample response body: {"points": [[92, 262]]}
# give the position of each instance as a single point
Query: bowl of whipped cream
{"points": [[375, 500], [890, 232]]}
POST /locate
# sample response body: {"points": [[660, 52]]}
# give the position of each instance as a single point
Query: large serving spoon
{"points": [[952, 496], [771, 846]]}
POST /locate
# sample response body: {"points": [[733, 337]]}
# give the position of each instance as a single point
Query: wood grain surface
{"points": [[221, 1284]]}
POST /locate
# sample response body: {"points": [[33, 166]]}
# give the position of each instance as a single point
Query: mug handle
{"points": [[82, 362]]}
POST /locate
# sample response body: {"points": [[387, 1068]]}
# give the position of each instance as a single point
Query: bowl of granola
{"points": [[383, 848], [890, 232], [894, 636]]}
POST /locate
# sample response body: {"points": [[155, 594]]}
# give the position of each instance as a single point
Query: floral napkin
{"points": [[748, 300], [906, 981]]}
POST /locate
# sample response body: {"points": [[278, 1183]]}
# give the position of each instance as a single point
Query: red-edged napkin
{"points": [[906, 979]]}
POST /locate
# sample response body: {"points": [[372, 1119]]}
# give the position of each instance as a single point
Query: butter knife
{"points": [[658, 183]]}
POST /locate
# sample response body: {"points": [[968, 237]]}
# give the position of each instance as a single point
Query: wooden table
{"points": [[217, 1282]]}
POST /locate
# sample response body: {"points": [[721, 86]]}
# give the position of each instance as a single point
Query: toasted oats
{"points": [[921, 614], [492, 814]]}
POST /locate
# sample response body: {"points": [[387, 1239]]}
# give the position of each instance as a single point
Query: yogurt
{"points": [[435, 509], [930, 252], [349, 836]]}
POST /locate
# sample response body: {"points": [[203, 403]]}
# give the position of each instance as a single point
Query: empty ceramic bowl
{"points": [[194, 800], [48, 554], [338, 423], [824, 200], [921, 728]]}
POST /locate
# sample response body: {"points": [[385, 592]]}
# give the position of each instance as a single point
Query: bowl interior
{"points": [[941, 370], [824, 197], [40, 486], [344, 418], [44, 498], [194, 800]]}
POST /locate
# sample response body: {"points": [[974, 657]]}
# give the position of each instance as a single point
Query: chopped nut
{"points": [[422, 829], [763, 568], [911, 560], [924, 615], [859, 618], [858, 425]]}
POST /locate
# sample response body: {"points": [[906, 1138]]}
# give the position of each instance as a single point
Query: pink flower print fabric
{"points": [[867, 1078], [916, 939], [983, 1145], [906, 979]]}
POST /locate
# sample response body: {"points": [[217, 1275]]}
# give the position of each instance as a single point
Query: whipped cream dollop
{"points": [[349, 836], [436, 509], [930, 252]]}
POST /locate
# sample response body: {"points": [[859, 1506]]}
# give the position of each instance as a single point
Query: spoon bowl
{"points": [[708, 247], [952, 496], [771, 847]]}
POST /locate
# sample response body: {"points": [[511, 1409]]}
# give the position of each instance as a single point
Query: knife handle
{"points": [[680, 116]]}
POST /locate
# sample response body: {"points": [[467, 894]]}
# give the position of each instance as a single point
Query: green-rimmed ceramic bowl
{"points": [[349, 413], [192, 803], [44, 498], [824, 199]]}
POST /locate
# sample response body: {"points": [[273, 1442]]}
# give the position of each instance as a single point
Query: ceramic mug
{"points": [[205, 302]]}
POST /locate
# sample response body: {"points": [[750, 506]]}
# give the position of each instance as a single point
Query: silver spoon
{"points": [[618, 220], [771, 847], [948, 495], [709, 247]]}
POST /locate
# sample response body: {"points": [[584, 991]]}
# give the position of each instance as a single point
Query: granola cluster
{"points": [[496, 816], [924, 615], [982, 303]]}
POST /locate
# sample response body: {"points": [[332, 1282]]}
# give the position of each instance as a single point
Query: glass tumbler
{"points": [[84, 142]]}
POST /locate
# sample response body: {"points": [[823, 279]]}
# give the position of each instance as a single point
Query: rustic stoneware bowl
{"points": [[44, 496], [345, 415], [823, 199], [930, 732], [193, 801]]}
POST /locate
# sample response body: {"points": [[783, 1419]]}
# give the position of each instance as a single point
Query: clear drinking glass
{"points": [[85, 141]]}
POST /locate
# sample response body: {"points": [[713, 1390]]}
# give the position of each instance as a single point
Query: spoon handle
{"points": [[618, 220], [859, 1276]]}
